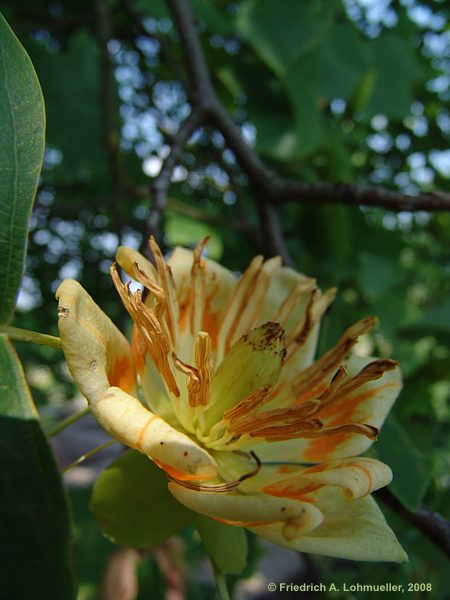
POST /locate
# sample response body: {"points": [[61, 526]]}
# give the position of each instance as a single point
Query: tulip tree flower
{"points": [[220, 388]]}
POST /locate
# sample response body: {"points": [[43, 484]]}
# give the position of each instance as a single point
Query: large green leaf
{"points": [[411, 469], [22, 125], [132, 504], [226, 544], [73, 107], [397, 70], [282, 32], [34, 520]]}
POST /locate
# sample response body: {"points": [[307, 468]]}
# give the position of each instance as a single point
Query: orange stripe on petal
{"points": [[122, 374], [141, 434], [180, 475], [291, 489], [322, 448]]}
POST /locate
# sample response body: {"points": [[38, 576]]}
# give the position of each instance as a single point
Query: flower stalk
{"points": [[25, 335], [66, 422]]}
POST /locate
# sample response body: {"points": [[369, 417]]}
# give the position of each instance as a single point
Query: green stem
{"points": [[24, 335], [88, 454], [66, 422], [221, 584]]}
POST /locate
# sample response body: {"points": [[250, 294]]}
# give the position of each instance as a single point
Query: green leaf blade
{"points": [[22, 127], [35, 530], [132, 504], [412, 470], [225, 544]]}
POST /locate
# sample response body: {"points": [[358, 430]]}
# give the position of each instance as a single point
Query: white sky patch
{"points": [[440, 160], [152, 165], [29, 295], [106, 241]]}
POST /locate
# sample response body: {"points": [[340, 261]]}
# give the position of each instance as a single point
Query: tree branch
{"points": [[269, 187], [200, 91], [161, 183], [284, 191], [202, 96], [431, 524], [110, 132]]}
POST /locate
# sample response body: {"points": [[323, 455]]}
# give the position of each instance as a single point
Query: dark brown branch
{"points": [[431, 524], [262, 180], [201, 92], [110, 131], [270, 223], [161, 183], [202, 95], [284, 191]]}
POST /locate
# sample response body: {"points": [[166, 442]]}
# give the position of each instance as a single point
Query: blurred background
{"points": [[349, 92]]}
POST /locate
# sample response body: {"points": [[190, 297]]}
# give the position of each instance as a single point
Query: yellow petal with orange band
{"points": [[250, 509], [97, 354], [357, 477], [353, 530], [125, 419]]}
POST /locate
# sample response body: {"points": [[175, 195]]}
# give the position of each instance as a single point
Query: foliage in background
{"points": [[352, 92]]}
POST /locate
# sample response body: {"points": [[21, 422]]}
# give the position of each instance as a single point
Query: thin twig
{"points": [[67, 422], [284, 191], [82, 458], [271, 230], [200, 91], [430, 523], [111, 133], [161, 183]]}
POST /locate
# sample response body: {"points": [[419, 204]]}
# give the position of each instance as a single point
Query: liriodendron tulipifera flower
{"points": [[220, 387]]}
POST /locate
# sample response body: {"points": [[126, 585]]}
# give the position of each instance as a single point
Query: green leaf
{"points": [[22, 126], [377, 274], [397, 72], [411, 468], [226, 544], [282, 32], [132, 504], [74, 112], [183, 231], [34, 520], [217, 20], [436, 319], [304, 100], [342, 63]]}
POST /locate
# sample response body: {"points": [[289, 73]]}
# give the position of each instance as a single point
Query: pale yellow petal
{"points": [[125, 419], [284, 284], [355, 530], [218, 285], [127, 258], [357, 477], [248, 508], [368, 404], [97, 354]]}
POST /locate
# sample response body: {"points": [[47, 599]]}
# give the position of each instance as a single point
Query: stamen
{"points": [[293, 431], [151, 331], [197, 288], [155, 289], [290, 303], [168, 287], [248, 405], [198, 377], [313, 375], [221, 487], [238, 299]]}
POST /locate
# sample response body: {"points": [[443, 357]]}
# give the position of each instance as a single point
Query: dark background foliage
{"points": [[335, 97]]}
